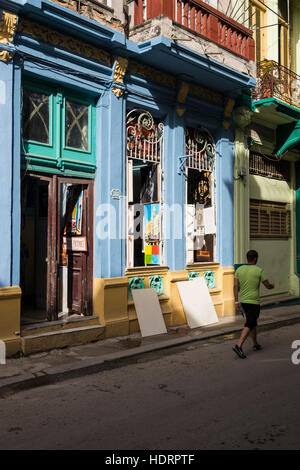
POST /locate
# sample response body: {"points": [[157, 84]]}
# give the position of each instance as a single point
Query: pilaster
{"points": [[109, 243], [242, 118]]}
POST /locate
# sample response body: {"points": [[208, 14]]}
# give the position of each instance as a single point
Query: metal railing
{"points": [[202, 19], [276, 81]]}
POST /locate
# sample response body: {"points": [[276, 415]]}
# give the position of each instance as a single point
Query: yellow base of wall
{"points": [[10, 301], [115, 311]]}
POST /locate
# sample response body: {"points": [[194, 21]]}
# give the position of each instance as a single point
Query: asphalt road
{"points": [[198, 397]]}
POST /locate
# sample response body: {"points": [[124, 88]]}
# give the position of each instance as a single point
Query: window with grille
{"points": [[262, 166], [200, 210], [269, 220], [144, 148]]}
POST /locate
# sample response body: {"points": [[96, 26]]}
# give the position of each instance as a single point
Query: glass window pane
{"points": [[76, 125], [35, 116]]}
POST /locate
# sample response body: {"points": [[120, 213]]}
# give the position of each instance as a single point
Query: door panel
{"points": [[75, 218]]}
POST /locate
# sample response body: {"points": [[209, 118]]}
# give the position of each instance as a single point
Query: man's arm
{"points": [[268, 285]]}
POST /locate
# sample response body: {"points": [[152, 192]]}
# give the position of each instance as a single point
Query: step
{"points": [[277, 299], [59, 339], [50, 326]]}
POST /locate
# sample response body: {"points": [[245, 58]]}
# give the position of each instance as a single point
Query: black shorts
{"points": [[252, 313]]}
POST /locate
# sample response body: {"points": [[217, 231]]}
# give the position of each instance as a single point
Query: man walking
{"points": [[246, 293]]}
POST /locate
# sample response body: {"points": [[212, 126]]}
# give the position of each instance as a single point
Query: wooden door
{"points": [[75, 241]]}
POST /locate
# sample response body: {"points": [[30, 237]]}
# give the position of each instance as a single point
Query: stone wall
{"points": [[164, 26]]}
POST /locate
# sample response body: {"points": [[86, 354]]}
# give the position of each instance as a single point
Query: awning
{"points": [[292, 141]]}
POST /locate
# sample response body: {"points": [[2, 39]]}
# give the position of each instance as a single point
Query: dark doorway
{"points": [[56, 247], [34, 248]]}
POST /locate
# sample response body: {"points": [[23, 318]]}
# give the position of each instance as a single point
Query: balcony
{"points": [[276, 81], [201, 19]]}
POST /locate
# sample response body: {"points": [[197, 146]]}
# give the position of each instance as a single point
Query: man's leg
{"points": [[253, 334], [244, 336]]}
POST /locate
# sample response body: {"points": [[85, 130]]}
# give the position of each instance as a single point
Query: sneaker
{"points": [[257, 347], [239, 352]]}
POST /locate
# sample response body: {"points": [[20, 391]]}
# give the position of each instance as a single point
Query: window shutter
{"points": [[269, 220]]}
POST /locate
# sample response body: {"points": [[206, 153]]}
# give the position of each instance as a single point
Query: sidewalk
{"points": [[60, 364]]}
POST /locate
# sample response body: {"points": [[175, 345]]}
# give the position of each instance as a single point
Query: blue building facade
{"points": [[86, 118]]}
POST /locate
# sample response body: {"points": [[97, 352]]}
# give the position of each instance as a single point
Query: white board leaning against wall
{"points": [[148, 311], [197, 303]]}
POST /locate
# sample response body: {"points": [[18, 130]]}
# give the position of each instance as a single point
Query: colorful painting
{"points": [[151, 254], [77, 215], [199, 187], [151, 223]]}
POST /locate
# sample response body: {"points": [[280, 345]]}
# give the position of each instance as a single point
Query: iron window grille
{"points": [[262, 166]]}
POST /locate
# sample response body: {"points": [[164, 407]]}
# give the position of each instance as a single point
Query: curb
{"points": [[110, 361]]}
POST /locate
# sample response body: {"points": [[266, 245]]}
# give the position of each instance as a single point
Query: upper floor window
{"points": [[57, 129]]}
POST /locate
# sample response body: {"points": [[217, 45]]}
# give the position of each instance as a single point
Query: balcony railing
{"points": [[276, 81], [202, 19]]}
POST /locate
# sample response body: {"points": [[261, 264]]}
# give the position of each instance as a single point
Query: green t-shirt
{"points": [[250, 276]]}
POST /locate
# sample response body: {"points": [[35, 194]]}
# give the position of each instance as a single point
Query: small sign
{"points": [[115, 193], [75, 243]]}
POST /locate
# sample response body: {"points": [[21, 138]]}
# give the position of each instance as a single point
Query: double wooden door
{"points": [[69, 245]]}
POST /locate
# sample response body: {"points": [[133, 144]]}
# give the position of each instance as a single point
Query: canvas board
{"points": [[197, 303], [148, 311]]}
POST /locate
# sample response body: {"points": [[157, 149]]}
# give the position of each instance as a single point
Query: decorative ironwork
{"points": [[200, 145], [275, 80], [144, 136], [269, 168]]}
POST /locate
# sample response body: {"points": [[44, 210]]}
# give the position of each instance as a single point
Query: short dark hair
{"points": [[252, 255]]}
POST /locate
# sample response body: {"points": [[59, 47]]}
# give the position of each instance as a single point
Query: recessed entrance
{"points": [[56, 247]]}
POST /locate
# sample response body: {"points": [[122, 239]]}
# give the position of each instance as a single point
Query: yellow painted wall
{"points": [[10, 298], [117, 312]]}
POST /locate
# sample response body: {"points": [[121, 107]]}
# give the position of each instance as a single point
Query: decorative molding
{"points": [[181, 98], [183, 92], [227, 113], [57, 39], [152, 74], [7, 31], [120, 69], [12, 292], [206, 94], [119, 73], [117, 91], [242, 117]]}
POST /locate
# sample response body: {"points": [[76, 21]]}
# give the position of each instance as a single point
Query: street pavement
{"points": [[194, 396], [60, 364]]}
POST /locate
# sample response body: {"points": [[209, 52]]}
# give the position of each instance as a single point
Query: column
{"points": [[6, 162], [109, 242], [174, 197]]}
